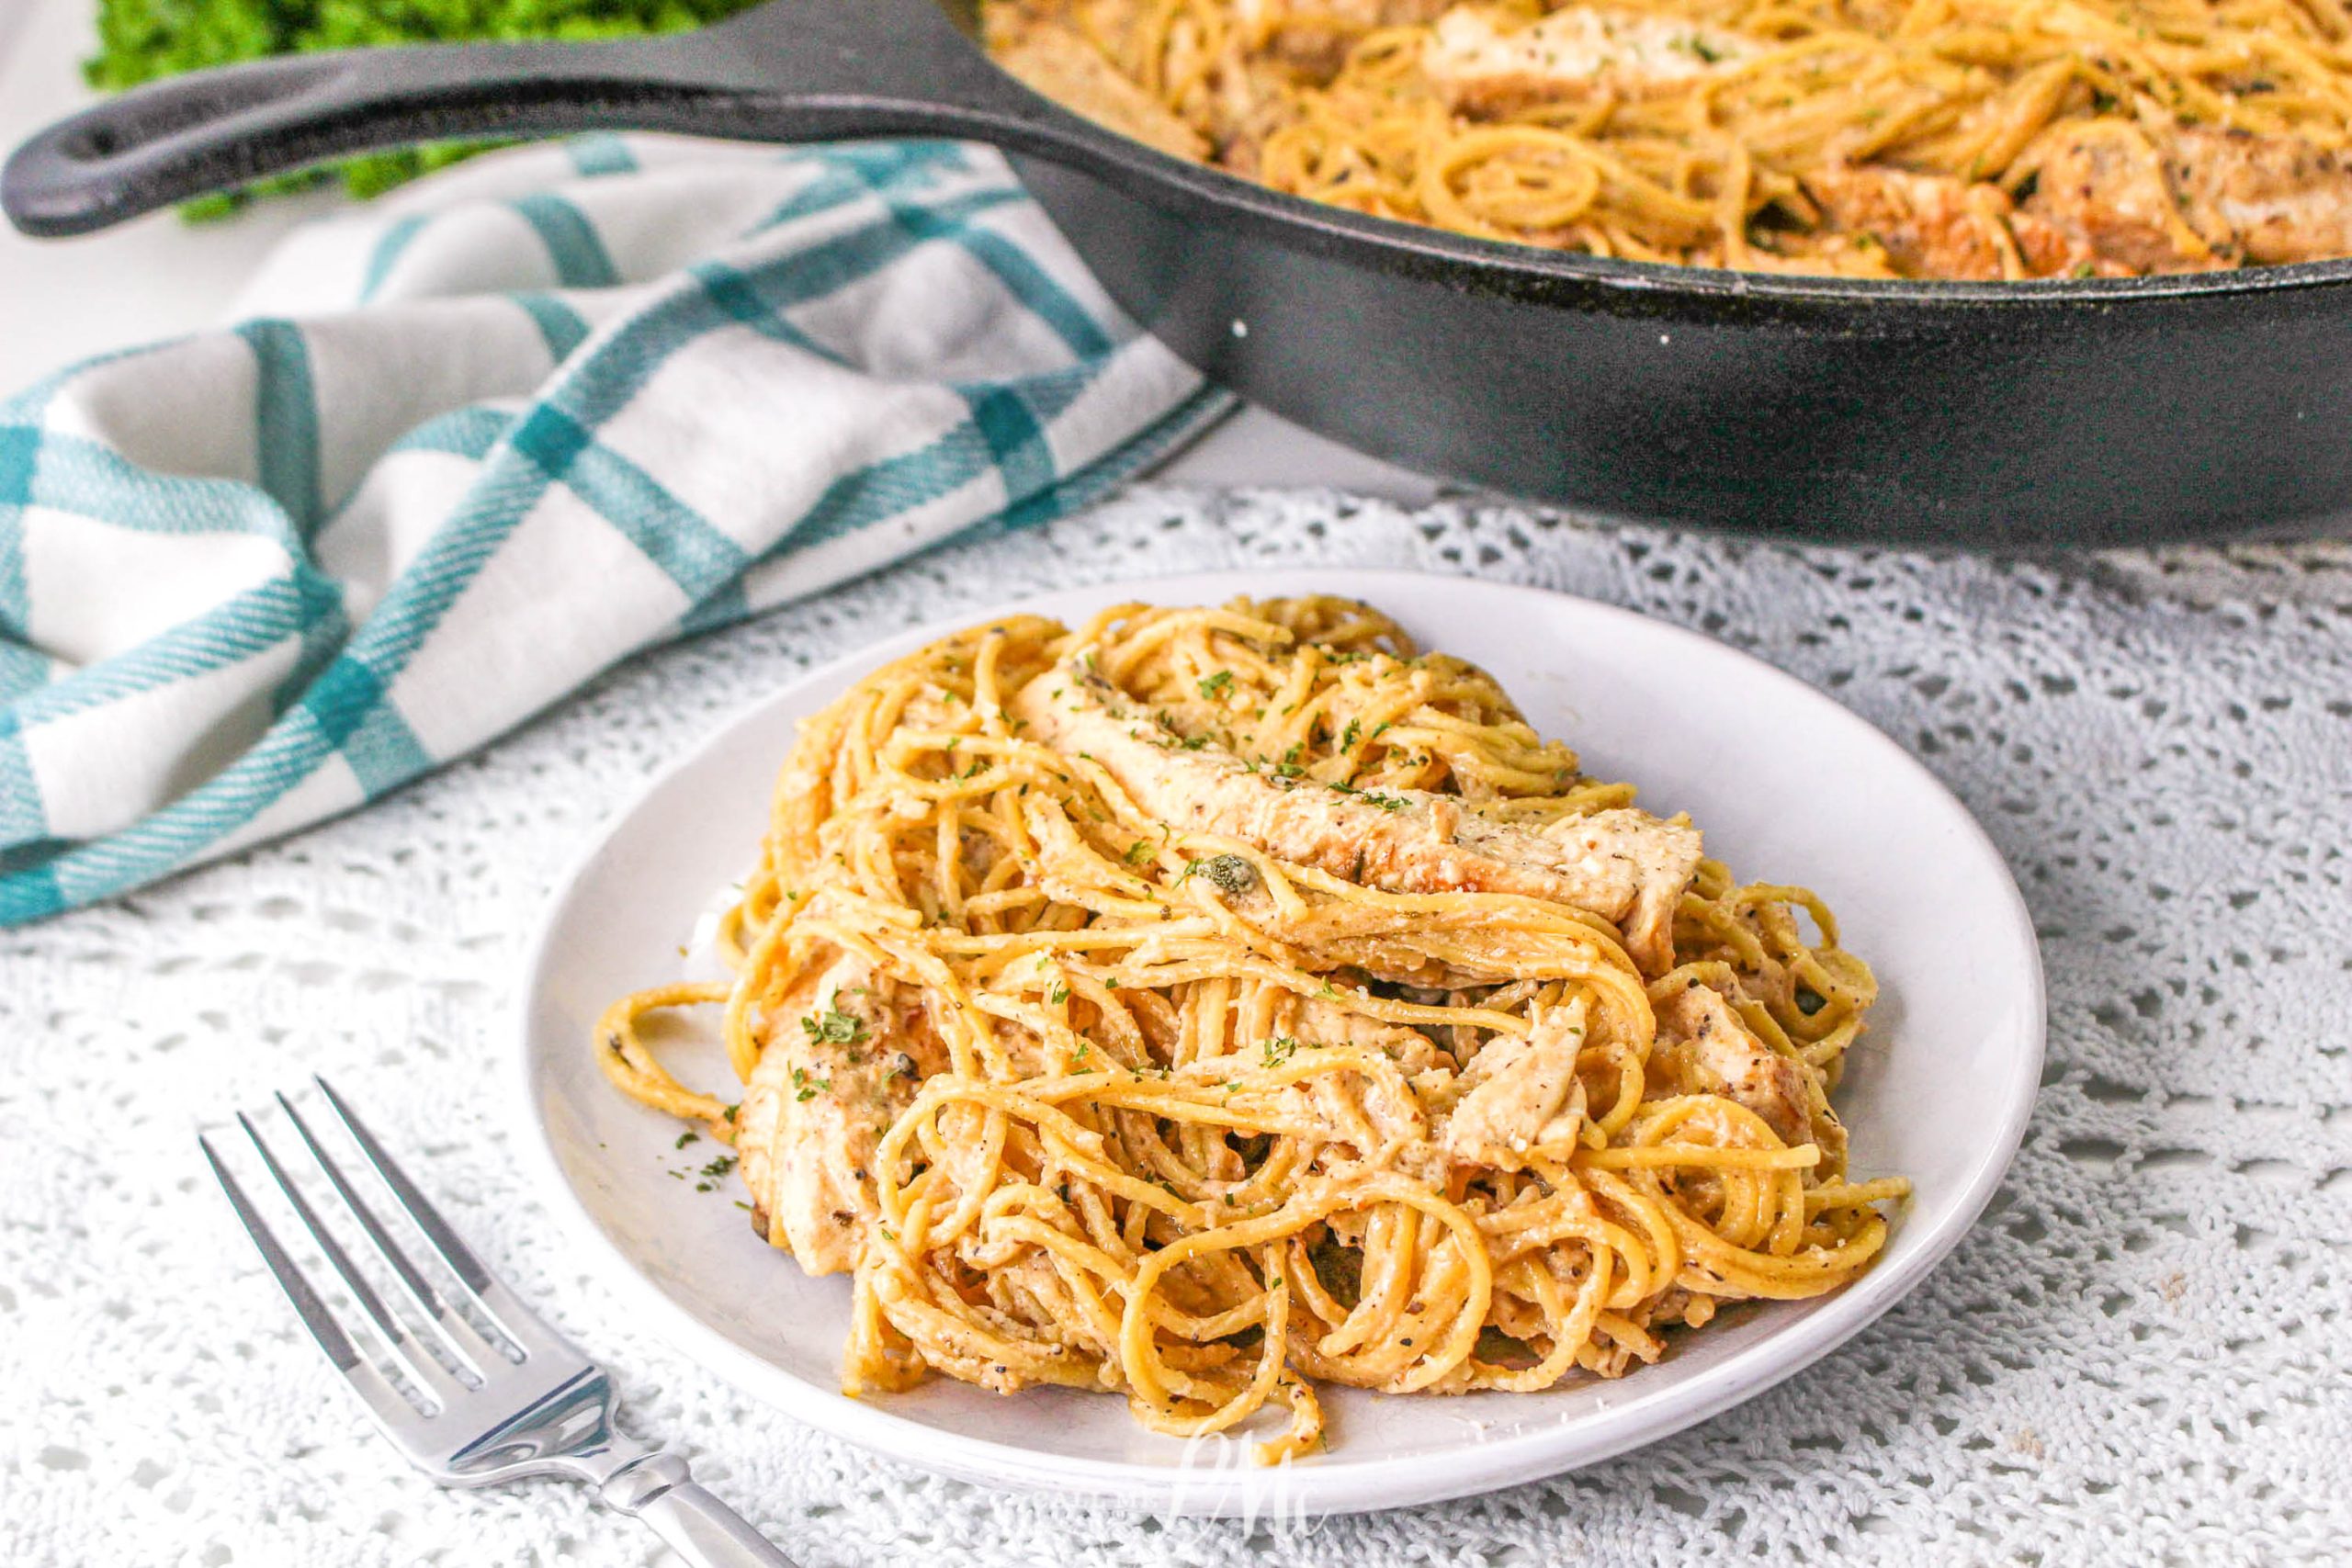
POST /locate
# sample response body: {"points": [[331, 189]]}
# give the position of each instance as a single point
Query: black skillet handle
{"points": [[790, 69]]}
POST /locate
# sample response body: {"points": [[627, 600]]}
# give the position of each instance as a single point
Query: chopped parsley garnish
{"points": [[1280, 1049], [1059, 994], [1230, 874], [834, 1027], [1216, 685]]}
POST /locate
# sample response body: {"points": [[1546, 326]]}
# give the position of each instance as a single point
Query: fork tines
{"points": [[434, 1343], [471, 1386]]}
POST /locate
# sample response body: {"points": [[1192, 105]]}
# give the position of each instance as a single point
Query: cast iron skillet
{"points": [[1981, 416]]}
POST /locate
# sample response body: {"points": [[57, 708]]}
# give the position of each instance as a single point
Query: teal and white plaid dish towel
{"points": [[500, 431]]}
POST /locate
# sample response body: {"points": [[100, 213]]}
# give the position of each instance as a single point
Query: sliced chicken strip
{"points": [[1933, 226], [1706, 1048], [1523, 1093], [2100, 183], [822, 1095], [2276, 199], [1485, 65], [1381, 1122], [1624, 865]]}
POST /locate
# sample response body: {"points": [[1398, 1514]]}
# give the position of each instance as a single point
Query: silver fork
{"points": [[470, 1407]]}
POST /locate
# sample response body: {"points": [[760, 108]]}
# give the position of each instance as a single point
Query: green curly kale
{"points": [[140, 40]]}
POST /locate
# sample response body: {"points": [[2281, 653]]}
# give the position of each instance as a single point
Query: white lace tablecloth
{"points": [[2143, 1356]]}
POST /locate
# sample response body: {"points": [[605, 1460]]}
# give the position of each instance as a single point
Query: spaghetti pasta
{"points": [[1207, 1004], [1993, 139]]}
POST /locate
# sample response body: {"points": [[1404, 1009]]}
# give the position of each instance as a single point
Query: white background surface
{"points": [[61, 301]]}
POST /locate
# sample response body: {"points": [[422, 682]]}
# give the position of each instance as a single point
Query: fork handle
{"points": [[660, 1490]]}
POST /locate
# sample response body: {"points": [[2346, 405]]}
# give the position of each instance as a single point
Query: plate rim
{"points": [[1335, 1483]]}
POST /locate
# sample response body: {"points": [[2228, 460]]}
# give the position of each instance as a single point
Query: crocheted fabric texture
{"points": [[2138, 1357]]}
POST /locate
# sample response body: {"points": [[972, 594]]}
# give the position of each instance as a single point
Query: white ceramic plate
{"points": [[1786, 784]]}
